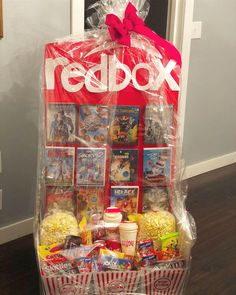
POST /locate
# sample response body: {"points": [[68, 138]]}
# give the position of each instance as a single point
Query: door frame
{"points": [[179, 32], [77, 15]]}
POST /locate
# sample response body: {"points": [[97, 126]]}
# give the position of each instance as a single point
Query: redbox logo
{"points": [[162, 284], [127, 243], [68, 289], [107, 69], [116, 287]]}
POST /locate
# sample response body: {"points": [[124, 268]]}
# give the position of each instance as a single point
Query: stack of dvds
{"points": [[110, 219]]}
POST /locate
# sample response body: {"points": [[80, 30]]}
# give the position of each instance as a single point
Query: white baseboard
{"points": [[25, 227], [16, 230], [209, 165]]}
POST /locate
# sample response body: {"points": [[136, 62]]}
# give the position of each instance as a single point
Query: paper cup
{"points": [[128, 237]]}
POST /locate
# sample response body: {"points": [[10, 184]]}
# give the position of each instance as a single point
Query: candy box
{"points": [[86, 264], [146, 253], [112, 260], [57, 267], [169, 245]]}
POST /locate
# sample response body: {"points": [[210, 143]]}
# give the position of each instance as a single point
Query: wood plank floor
{"points": [[212, 202]]}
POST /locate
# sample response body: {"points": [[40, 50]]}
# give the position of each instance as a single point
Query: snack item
{"points": [[72, 242], [128, 237], [54, 261], [113, 245], [112, 219], [86, 264], [153, 225], [85, 231], [58, 266], [146, 253], [57, 226], [112, 260], [169, 245], [97, 227], [46, 251]]}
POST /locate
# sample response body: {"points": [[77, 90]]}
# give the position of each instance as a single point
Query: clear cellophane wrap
{"points": [[110, 209]]}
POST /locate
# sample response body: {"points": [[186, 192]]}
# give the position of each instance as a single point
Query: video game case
{"points": [[155, 198], [125, 198], [59, 169], [90, 200], [90, 166], [124, 165], [93, 124], [158, 124], [124, 126], [157, 166], [61, 123], [59, 198]]}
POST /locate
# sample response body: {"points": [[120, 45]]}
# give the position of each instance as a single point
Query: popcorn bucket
{"points": [[163, 282], [67, 284], [107, 283]]}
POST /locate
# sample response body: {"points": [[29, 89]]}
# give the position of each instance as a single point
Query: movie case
{"points": [[157, 166], [155, 198], [93, 124], [125, 198], [59, 166], [158, 124], [125, 125], [61, 122], [90, 166], [89, 201], [59, 198], [124, 165]]}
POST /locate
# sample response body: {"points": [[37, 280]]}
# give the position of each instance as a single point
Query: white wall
{"points": [[211, 100], [28, 24]]}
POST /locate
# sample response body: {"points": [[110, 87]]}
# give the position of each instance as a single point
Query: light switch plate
{"points": [[196, 30]]}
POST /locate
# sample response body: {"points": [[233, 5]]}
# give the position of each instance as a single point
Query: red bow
{"points": [[120, 31]]}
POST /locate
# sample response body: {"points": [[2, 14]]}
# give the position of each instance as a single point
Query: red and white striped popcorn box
{"points": [[67, 285], [163, 282], [118, 282]]}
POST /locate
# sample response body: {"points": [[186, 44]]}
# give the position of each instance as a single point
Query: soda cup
{"points": [[112, 219], [128, 237]]}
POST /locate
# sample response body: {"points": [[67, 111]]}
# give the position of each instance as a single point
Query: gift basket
{"points": [[110, 212]]}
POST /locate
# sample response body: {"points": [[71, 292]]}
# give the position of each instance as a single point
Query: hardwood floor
{"points": [[212, 202], [18, 269]]}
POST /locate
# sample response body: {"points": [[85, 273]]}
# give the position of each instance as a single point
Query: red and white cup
{"points": [[112, 219], [128, 237]]}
